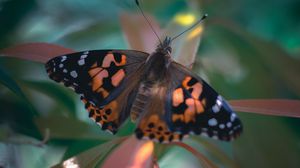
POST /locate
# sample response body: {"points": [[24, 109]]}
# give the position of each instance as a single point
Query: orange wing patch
{"points": [[106, 117], [178, 97], [186, 103], [107, 74], [98, 75], [118, 77], [193, 86], [110, 58]]}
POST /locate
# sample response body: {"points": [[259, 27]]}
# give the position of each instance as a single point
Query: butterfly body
{"points": [[164, 98], [154, 75]]}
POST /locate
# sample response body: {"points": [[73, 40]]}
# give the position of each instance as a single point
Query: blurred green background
{"points": [[249, 49]]}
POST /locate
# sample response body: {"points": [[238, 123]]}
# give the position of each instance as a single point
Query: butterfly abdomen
{"points": [[140, 101]]}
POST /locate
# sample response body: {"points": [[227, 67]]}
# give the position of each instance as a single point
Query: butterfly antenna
{"points": [[138, 5], [194, 25]]}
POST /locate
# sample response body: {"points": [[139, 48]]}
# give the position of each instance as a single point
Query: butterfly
{"points": [[165, 99]]}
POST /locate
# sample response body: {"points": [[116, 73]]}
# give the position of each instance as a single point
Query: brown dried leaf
{"points": [[138, 33], [277, 107], [40, 52], [140, 37], [186, 46], [131, 153]]}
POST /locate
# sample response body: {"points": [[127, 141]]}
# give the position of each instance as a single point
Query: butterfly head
{"points": [[165, 46]]}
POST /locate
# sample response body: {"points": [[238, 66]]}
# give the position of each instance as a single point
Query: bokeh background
{"points": [[249, 50]]}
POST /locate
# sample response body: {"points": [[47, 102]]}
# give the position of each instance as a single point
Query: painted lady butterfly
{"points": [[165, 98]]}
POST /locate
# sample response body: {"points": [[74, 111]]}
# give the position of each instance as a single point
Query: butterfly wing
{"points": [[151, 123], [104, 79], [194, 107]]}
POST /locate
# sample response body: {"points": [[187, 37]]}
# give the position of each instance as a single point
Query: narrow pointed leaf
{"points": [[206, 163], [131, 153], [40, 52], [185, 46], [138, 33], [277, 107], [12, 85], [140, 36]]}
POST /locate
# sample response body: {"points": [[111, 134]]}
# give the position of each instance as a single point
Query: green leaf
{"points": [[12, 85], [268, 58], [215, 151], [12, 13], [68, 128], [56, 92]]}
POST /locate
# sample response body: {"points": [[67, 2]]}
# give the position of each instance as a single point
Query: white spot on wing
{"points": [[61, 65], [221, 126], [219, 101], [81, 62], [232, 117], [215, 108], [63, 58], [83, 56], [109, 131], [65, 71], [229, 124], [212, 122], [72, 88], [74, 74], [97, 122]]}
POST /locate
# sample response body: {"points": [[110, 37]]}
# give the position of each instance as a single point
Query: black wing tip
{"points": [[51, 69]]}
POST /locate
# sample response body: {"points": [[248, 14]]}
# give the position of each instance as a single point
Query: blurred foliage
{"points": [[249, 49]]}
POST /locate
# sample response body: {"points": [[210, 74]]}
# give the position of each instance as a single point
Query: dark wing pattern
{"points": [[151, 123], [194, 107], [103, 78]]}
